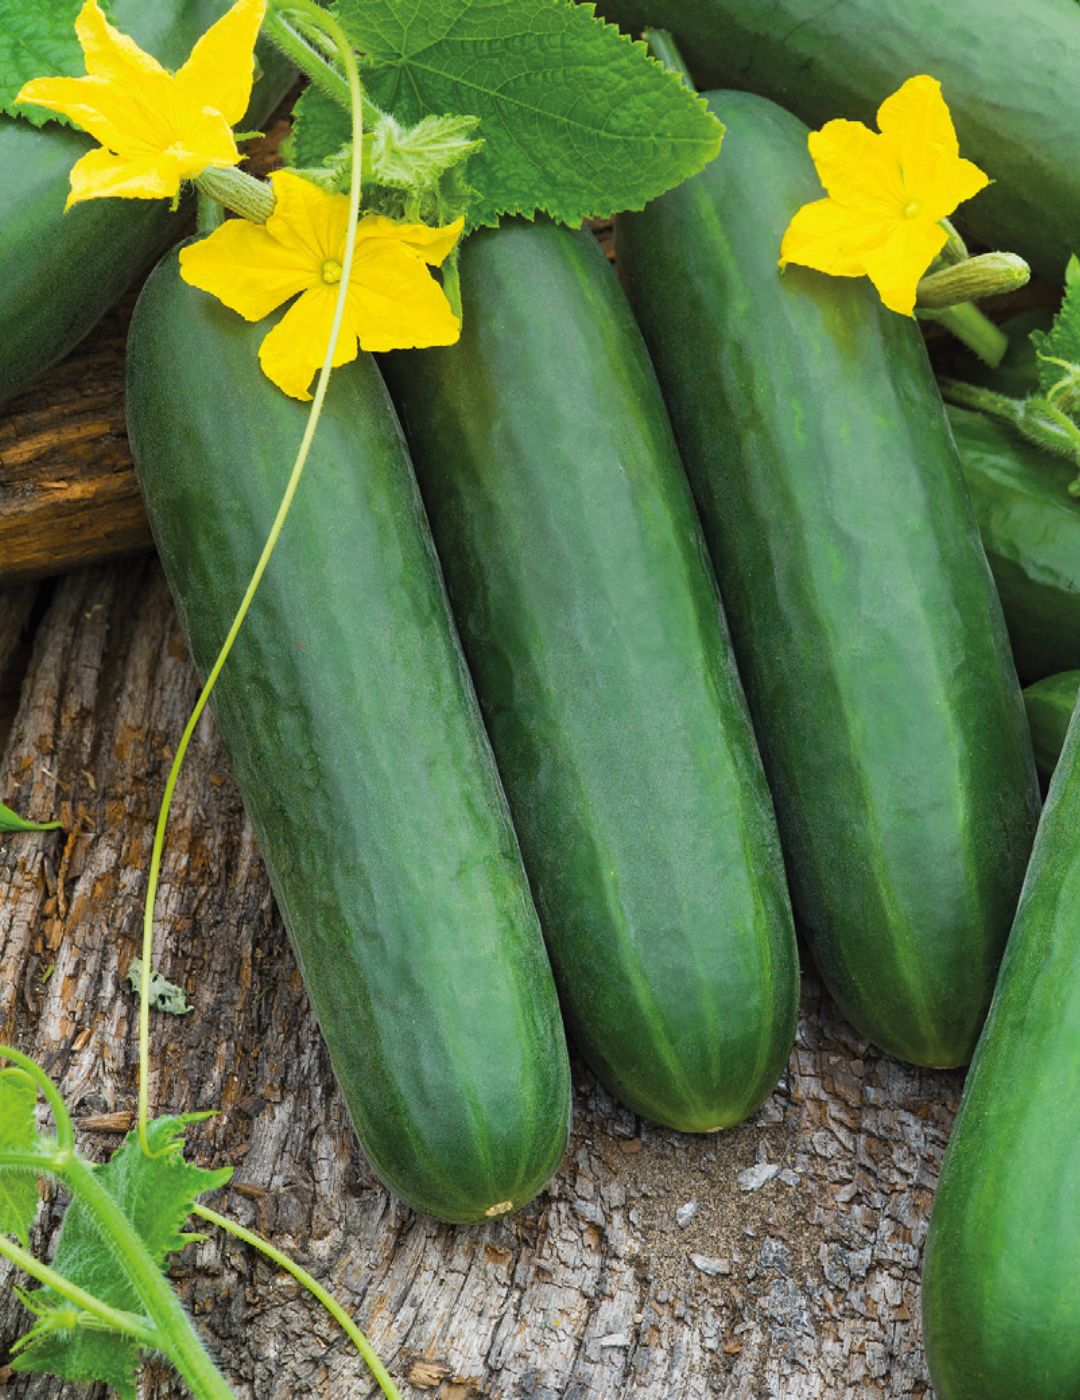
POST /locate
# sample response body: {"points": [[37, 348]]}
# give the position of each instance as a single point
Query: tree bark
{"points": [[797, 1282]]}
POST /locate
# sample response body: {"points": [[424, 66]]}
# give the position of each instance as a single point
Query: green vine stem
{"points": [[313, 1286], [975, 330], [1035, 418], [65, 1129], [298, 41], [139, 1329], [663, 47], [173, 1333]]}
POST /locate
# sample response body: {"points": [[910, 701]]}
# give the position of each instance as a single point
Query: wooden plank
{"points": [[803, 1285], [68, 494]]}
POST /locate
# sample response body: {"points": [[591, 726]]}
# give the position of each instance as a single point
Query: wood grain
{"points": [[806, 1286]]}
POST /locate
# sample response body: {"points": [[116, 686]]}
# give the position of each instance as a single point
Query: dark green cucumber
{"points": [[1050, 704], [1030, 529], [591, 621], [60, 273], [865, 624], [354, 735], [824, 60], [1001, 1278]]}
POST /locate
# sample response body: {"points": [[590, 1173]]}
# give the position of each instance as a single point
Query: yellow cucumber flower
{"points": [[394, 303], [888, 191], [156, 128]]}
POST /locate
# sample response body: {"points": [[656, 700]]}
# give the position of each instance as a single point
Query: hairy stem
{"points": [[663, 47], [329, 1302], [65, 1130], [174, 1334], [140, 1329], [976, 331]]}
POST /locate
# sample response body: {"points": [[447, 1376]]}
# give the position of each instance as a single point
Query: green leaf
{"points": [[11, 821], [18, 1133], [1058, 349], [37, 40], [164, 995], [577, 119], [156, 1195]]}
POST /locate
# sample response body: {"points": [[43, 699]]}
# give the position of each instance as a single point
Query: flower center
{"points": [[331, 271], [911, 208]]}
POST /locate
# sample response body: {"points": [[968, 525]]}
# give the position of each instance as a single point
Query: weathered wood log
{"points": [[795, 1270], [68, 494]]}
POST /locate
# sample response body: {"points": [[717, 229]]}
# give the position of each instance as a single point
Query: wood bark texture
{"points": [[778, 1259]]}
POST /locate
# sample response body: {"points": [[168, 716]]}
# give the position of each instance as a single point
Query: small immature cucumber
{"points": [[353, 732], [1050, 704], [591, 621], [864, 618], [1001, 1278]]}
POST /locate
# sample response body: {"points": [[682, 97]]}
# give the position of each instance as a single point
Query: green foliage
{"points": [[37, 40], [576, 119], [18, 1133], [413, 172], [156, 1195], [11, 821], [164, 995], [1058, 349]]}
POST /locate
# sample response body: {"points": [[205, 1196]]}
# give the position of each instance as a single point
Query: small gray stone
{"points": [[686, 1213], [755, 1177], [710, 1264]]}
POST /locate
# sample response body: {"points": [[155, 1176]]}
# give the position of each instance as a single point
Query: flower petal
{"points": [[433, 245], [834, 238], [221, 67], [110, 54], [394, 302], [857, 167], [308, 219], [242, 265], [916, 116], [107, 112], [916, 120], [897, 265], [295, 349], [100, 174]]}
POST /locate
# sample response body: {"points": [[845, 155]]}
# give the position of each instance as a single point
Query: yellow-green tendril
{"points": [[325, 21], [313, 1286]]}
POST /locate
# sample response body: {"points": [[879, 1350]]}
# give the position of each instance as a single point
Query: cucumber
{"points": [[1030, 529], [591, 622], [60, 273], [865, 624], [354, 736], [825, 60], [1050, 704], [1001, 1279]]}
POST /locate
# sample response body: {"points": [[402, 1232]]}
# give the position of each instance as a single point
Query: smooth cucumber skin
{"points": [[353, 732], [60, 272], [866, 628], [1050, 704], [1030, 529], [823, 60], [592, 625], [1001, 1277]]}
